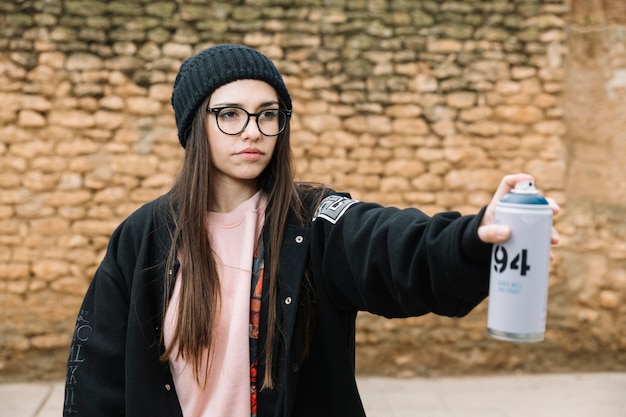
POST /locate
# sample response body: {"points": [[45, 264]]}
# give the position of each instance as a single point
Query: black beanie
{"points": [[203, 73]]}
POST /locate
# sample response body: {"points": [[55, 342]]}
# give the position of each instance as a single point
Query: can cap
{"points": [[524, 193], [525, 187]]}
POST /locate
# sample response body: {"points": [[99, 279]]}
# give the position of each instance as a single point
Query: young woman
{"points": [[236, 293]]}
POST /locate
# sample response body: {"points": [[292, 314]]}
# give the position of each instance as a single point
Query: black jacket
{"points": [[395, 263]]}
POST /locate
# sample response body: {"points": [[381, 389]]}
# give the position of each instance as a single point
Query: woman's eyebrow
{"points": [[269, 103], [265, 104]]}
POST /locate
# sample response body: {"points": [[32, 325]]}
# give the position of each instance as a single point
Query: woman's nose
{"points": [[252, 131]]}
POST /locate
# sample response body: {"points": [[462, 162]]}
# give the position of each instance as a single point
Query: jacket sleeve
{"points": [[398, 263], [94, 383], [114, 366]]}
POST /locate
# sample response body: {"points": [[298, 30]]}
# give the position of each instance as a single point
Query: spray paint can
{"points": [[520, 267]]}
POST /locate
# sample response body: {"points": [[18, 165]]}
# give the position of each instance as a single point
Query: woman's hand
{"points": [[488, 231]]}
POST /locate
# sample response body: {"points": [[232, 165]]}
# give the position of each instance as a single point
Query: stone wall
{"points": [[407, 103]]}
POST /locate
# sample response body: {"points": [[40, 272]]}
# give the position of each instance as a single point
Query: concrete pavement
{"points": [[560, 395], [552, 395]]}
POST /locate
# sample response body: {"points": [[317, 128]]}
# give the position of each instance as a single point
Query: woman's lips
{"points": [[250, 153]]}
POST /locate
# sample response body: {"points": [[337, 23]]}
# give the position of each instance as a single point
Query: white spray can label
{"points": [[520, 267]]}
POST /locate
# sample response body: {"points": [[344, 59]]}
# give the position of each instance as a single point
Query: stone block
{"points": [[141, 166], [49, 270], [71, 119]]}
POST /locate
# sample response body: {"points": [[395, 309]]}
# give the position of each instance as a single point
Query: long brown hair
{"points": [[189, 202]]}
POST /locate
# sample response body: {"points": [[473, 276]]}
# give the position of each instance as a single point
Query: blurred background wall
{"points": [[408, 103]]}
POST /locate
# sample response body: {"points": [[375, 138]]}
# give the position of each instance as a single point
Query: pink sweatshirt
{"points": [[234, 237]]}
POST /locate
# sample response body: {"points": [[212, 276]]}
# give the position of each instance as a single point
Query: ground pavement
{"points": [[555, 395]]}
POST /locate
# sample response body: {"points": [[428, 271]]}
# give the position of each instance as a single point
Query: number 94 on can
{"points": [[520, 267]]}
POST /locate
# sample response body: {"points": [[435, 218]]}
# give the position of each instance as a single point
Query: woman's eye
{"points": [[269, 114], [229, 113]]}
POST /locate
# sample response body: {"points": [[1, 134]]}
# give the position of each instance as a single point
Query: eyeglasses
{"points": [[234, 120]]}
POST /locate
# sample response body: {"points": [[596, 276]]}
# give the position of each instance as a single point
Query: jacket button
{"points": [[288, 300], [295, 367], [168, 387], [299, 239]]}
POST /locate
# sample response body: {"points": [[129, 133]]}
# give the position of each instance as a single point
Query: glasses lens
{"points": [[272, 122], [232, 120]]}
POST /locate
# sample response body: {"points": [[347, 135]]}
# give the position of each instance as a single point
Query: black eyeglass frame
{"points": [[217, 110]]}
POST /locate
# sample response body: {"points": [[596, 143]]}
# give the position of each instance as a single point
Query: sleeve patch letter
{"points": [[332, 208]]}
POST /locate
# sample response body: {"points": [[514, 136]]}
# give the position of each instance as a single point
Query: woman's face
{"points": [[242, 157]]}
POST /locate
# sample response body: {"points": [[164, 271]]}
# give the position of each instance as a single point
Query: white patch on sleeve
{"points": [[332, 208]]}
